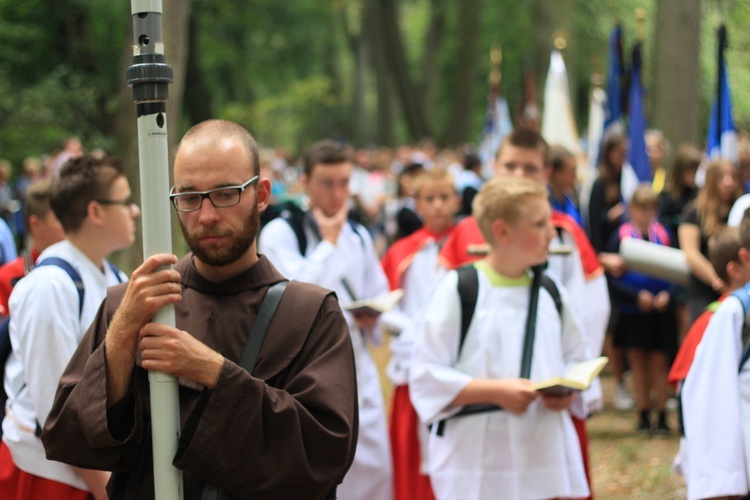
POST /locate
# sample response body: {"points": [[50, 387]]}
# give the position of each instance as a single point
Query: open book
{"points": [[376, 306], [577, 378]]}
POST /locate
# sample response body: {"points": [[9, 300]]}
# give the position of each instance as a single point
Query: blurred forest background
{"points": [[371, 72]]}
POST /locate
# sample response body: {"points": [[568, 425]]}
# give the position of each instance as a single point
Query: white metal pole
{"points": [[150, 77]]}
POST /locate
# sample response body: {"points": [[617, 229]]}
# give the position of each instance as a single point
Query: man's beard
{"points": [[222, 256]]}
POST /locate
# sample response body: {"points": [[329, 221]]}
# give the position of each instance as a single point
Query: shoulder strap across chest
{"points": [[468, 290]]}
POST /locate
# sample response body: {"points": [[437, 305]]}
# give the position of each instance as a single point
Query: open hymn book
{"points": [[577, 378], [376, 306]]}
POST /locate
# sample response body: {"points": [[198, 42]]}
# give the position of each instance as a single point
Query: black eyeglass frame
{"points": [[207, 194]]}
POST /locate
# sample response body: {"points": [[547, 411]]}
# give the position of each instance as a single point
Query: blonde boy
{"points": [[411, 263], [529, 448]]}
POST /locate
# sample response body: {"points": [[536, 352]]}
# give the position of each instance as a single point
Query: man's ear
{"points": [[547, 173], [263, 193]]}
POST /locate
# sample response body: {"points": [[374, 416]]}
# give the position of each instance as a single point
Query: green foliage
{"points": [[287, 69], [250, 49], [56, 73], [36, 119], [288, 117]]}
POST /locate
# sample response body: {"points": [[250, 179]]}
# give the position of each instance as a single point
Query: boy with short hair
{"points": [[411, 263], [724, 253], [528, 448], [51, 311], [716, 400]]}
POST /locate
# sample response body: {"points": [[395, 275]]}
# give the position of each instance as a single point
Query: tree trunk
{"points": [[357, 37], [407, 91], [676, 70], [175, 27], [197, 99], [463, 103], [384, 83], [430, 70]]}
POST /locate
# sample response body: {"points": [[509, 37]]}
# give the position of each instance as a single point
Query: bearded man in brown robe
{"points": [[289, 430]]}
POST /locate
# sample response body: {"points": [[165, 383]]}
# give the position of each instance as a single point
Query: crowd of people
{"points": [[504, 282]]}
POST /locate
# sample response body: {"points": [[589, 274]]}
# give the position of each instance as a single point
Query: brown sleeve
{"points": [[292, 436], [77, 430]]}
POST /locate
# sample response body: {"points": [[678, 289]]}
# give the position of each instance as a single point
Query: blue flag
{"points": [[497, 126], [636, 169], [637, 156], [722, 135], [614, 77]]}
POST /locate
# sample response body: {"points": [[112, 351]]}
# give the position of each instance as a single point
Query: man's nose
{"points": [[207, 212]]}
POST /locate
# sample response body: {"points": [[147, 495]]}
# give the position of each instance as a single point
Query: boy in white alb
{"points": [[323, 246], [529, 448], [411, 263], [715, 399], [92, 199]]}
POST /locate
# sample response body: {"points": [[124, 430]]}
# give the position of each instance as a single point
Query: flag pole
{"points": [[150, 76], [640, 18], [496, 59], [722, 42]]}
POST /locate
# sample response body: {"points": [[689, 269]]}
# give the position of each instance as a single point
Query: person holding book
{"points": [[716, 399], [646, 327], [324, 246], [525, 153], [525, 444], [411, 264]]}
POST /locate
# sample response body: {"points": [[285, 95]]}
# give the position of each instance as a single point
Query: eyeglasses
{"points": [[127, 202], [222, 197]]}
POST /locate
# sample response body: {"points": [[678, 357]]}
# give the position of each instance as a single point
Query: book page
{"points": [[578, 377], [378, 305], [586, 371]]}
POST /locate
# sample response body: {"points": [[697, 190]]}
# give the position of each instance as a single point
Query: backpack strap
{"points": [[355, 227], [298, 220], [468, 291], [551, 287], [296, 223], [530, 330], [744, 297], [115, 271], [70, 270], [252, 348], [260, 326]]}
